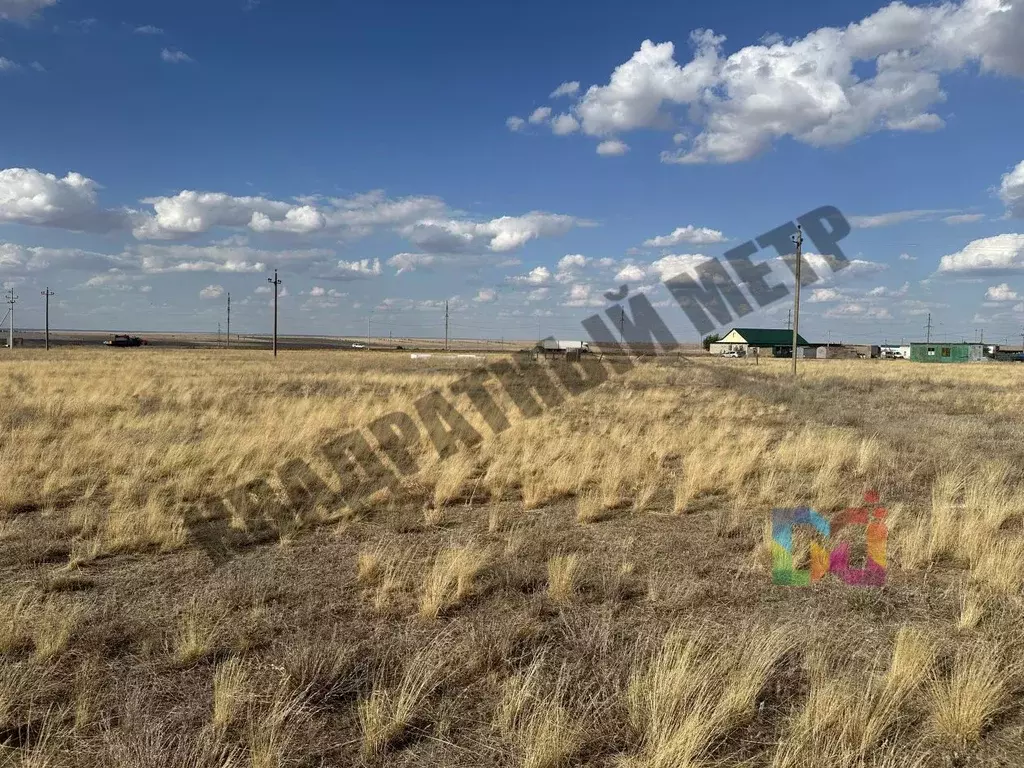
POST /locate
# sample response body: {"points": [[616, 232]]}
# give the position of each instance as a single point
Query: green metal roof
{"points": [[769, 337]]}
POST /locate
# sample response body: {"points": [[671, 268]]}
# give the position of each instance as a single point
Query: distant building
{"points": [[839, 352], [765, 340], [962, 352]]}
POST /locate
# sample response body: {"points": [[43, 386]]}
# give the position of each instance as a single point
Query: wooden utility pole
{"points": [[798, 238], [47, 293], [275, 283], [229, 319], [11, 299], [446, 325]]}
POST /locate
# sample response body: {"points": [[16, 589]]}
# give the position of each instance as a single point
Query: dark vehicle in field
{"points": [[124, 340]]}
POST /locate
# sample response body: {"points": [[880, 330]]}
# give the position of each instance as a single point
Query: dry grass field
{"points": [[591, 586]]}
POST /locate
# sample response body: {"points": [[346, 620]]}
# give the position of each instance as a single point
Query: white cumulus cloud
{"points": [[583, 295], [1011, 190], [827, 88], [564, 124], [515, 123], [540, 114], [631, 273], [819, 295], [500, 235], [486, 296], [536, 276], [989, 254], [28, 196], [1001, 292], [612, 148], [211, 292], [192, 212], [361, 269], [688, 234]]}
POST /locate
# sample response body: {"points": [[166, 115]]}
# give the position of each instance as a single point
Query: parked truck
{"points": [[124, 340], [556, 346]]}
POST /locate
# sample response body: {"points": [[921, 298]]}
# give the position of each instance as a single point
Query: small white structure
{"points": [[894, 351]]}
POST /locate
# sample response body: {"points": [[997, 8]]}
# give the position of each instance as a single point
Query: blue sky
{"points": [[155, 157]]}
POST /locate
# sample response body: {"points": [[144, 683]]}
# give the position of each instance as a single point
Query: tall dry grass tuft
{"points": [[272, 731], [451, 578], [646, 490], [589, 507], [451, 476], [54, 627], [692, 691], [389, 712], [847, 718], [977, 689], [537, 721], [519, 692], [198, 633], [973, 608], [563, 572], [14, 623], [230, 682], [370, 563], [1000, 566]]}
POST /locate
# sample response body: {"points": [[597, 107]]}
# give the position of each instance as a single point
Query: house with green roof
{"points": [[765, 340]]}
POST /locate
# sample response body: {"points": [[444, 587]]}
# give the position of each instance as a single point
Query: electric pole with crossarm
{"points": [[275, 282], [798, 238], [47, 293], [12, 300]]}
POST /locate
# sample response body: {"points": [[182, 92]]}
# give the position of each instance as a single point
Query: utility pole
{"points": [[218, 332], [981, 337], [622, 323], [928, 339], [11, 299], [229, 319], [47, 293], [275, 282], [446, 325], [798, 238]]}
